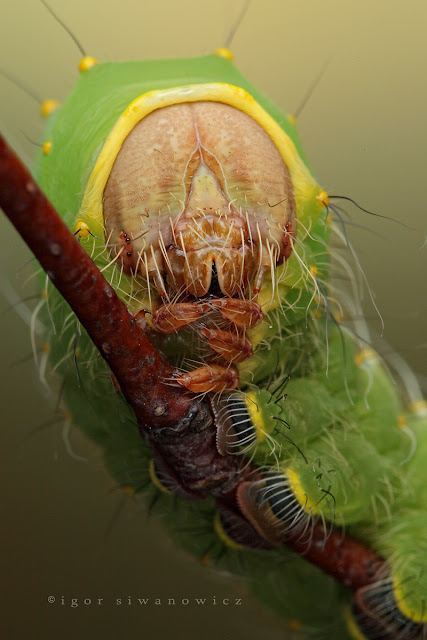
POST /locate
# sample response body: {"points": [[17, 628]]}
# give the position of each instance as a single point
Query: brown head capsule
{"points": [[199, 197]]}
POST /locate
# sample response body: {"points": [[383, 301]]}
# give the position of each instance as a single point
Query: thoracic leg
{"points": [[170, 318], [243, 313], [231, 346], [209, 378]]}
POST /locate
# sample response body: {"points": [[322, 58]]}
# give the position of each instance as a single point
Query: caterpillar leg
{"points": [[209, 378], [231, 346], [245, 314], [170, 318]]}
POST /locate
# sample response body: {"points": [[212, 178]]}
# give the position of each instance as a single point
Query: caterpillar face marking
{"points": [[226, 171], [348, 172]]}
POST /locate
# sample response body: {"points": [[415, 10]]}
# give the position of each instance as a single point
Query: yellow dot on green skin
{"points": [[81, 230], [323, 198], [47, 106], [86, 63], [364, 356], [128, 490], [401, 422], [47, 147], [223, 52], [419, 408]]}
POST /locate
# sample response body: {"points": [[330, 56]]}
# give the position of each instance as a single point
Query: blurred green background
{"points": [[364, 131]]}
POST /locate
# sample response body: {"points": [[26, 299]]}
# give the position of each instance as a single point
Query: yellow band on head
{"points": [[91, 209]]}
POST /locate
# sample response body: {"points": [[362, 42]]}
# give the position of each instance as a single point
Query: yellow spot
{"points": [[314, 271], [338, 316], [86, 63], [304, 501], [222, 535], [255, 415], [292, 119], [78, 352], [419, 408], [47, 147], [67, 416], [364, 356], [81, 230], [44, 294], [294, 625], [323, 198], [417, 613], [128, 490], [46, 347], [155, 480], [401, 422], [47, 106], [318, 314], [206, 560], [352, 626], [223, 52]]}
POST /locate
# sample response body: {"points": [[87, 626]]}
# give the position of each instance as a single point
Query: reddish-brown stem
{"points": [[340, 556]]}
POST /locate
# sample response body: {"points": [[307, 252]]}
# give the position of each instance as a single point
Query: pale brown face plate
{"points": [[196, 185]]}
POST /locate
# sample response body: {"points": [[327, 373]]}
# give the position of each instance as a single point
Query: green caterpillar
{"points": [[343, 462], [269, 347]]}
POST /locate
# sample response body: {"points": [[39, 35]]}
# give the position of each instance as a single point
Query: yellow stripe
{"points": [[219, 530], [352, 626], [300, 494], [255, 415], [417, 613], [155, 480]]}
